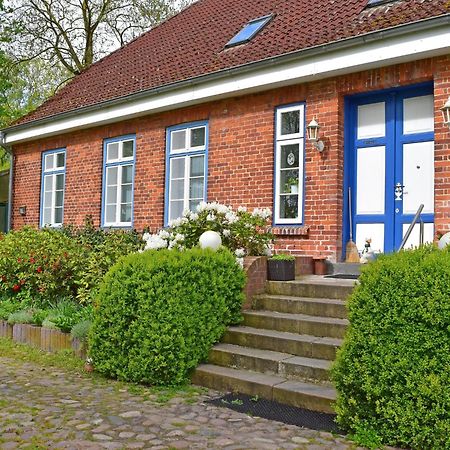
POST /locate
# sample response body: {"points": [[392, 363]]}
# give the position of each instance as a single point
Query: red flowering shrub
{"points": [[39, 266]]}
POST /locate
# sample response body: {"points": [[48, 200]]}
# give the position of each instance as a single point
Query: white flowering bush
{"points": [[243, 232]]}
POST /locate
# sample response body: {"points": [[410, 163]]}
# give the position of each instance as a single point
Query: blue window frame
{"points": [[52, 187], [186, 168], [118, 181], [249, 31], [289, 164]]}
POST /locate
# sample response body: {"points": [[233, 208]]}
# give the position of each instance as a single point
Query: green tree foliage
{"points": [[160, 312], [393, 371]]}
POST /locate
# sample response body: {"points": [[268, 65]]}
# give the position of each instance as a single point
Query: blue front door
{"points": [[390, 166]]}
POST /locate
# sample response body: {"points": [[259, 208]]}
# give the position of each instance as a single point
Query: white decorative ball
{"points": [[210, 239], [444, 241]]}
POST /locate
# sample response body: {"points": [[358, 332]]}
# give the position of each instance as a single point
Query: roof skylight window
{"points": [[249, 31], [378, 2]]}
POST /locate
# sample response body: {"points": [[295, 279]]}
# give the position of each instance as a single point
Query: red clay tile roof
{"points": [[192, 43]]}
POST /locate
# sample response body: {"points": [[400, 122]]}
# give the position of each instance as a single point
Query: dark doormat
{"points": [[269, 409], [343, 276]]}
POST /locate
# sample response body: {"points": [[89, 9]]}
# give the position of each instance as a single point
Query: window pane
{"points": [[290, 122], [47, 216], [60, 160], [49, 159], [60, 181], [48, 198], [58, 215], [289, 155], [177, 190], [110, 213], [196, 188], [177, 170], [111, 176], [176, 209], [288, 206], [111, 194], [178, 140], [198, 137], [193, 204], [127, 149], [127, 174], [112, 151], [48, 183], [289, 182], [59, 198], [126, 194], [197, 166], [125, 213]]}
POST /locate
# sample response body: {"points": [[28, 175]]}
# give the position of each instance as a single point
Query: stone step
{"points": [[301, 305], [270, 362], [279, 341], [312, 286], [296, 323], [316, 397]]}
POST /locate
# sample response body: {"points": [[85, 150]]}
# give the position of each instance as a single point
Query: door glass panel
{"points": [[371, 120], [418, 114], [290, 122], [414, 237], [373, 231], [370, 180], [288, 206], [418, 177]]}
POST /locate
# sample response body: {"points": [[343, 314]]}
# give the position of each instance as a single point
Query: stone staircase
{"points": [[284, 348]]}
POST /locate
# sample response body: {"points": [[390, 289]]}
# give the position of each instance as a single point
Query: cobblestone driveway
{"points": [[44, 408]]}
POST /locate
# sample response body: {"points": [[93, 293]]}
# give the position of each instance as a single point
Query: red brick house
{"points": [[214, 104]]}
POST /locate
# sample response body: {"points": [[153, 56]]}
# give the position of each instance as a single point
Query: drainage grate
{"points": [[343, 276], [269, 409]]}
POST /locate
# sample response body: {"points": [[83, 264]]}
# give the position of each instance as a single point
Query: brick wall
{"points": [[241, 146]]}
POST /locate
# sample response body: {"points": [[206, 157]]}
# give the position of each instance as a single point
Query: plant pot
{"points": [[320, 266], [280, 270], [294, 189]]}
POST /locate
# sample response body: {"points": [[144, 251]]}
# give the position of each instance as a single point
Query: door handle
{"points": [[398, 191]]}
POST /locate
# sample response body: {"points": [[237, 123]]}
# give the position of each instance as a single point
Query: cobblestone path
{"points": [[44, 408]]}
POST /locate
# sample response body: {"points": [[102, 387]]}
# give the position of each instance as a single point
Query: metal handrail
{"points": [[411, 226]]}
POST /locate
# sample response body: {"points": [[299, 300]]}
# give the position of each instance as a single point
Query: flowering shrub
{"points": [[244, 233], [38, 266]]}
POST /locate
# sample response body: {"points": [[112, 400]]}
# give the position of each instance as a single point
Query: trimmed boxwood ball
{"points": [[393, 371], [160, 312]]}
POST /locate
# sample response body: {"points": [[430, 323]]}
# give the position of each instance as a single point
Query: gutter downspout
{"points": [[8, 149]]}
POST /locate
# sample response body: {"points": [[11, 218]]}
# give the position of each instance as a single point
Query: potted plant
{"points": [[291, 185], [281, 267]]}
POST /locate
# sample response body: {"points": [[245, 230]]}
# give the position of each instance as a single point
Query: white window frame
{"points": [[52, 174], [280, 141], [120, 162], [186, 153]]}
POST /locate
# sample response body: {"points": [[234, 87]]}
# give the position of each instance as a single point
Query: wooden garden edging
{"points": [[43, 338]]}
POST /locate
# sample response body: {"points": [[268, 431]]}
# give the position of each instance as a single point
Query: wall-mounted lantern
{"points": [[313, 135], [23, 210], [446, 113]]}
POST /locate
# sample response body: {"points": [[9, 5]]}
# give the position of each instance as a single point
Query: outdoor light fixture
{"points": [[210, 239], [23, 210], [313, 135], [446, 113]]}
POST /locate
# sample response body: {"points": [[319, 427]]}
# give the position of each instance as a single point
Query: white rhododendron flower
{"points": [[226, 233], [194, 216], [240, 261], [263, 213], [211, 217], [201, 206], [155, 242], [242, 209], [231, 217], [179, 237], [240, 252]]}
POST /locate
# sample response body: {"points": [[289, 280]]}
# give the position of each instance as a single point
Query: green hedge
{"points": [[393, 371], [159, 313]]}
